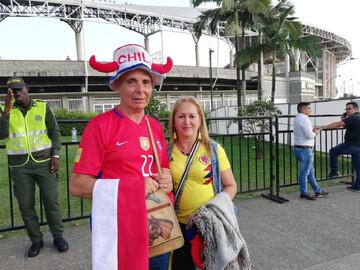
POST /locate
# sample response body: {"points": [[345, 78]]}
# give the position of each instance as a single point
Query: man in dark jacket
{"points": [[32, 145], [350, 146]]}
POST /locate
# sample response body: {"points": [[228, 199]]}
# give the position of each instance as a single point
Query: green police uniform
{"points": [[32, 138]]}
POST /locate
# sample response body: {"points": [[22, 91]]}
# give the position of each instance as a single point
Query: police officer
{"points": [[32, 145]]}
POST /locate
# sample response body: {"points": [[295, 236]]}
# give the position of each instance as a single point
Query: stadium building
{"points": [[73, 85]]}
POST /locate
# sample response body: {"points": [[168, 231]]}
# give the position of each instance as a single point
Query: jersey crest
{"points": [[204, 159], [144, 143]]}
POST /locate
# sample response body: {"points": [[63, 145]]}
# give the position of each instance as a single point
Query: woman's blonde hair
{"points": [[203, 135]]}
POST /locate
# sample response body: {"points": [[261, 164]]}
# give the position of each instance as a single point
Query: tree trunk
{"points": [[260, 64], [238, 83], [259, 148], [273, 77], [243, 79]]}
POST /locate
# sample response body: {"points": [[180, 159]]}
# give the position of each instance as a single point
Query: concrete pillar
{"points": [[65, 102], [196, 40], [146, 43], [197, 62], [79, 39], [303, 61], [162, 47], [167, 97], [297, 59], [91, 103], [287, 70]]}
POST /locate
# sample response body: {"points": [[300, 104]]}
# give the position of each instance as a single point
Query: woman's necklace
{"points": [[185, 150]]}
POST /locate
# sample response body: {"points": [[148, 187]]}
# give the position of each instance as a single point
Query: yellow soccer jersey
{"points": [[198, 187]]}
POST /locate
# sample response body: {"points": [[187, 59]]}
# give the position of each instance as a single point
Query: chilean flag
{"points": [[119, 225]]}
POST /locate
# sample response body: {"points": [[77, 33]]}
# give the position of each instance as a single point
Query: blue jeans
{"points": [[306, 170], [160, 262], [346, 149]]}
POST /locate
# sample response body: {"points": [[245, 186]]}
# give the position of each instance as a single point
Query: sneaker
{"points": [[321, 194], [353, 188], [334, 174], [307, 196]]}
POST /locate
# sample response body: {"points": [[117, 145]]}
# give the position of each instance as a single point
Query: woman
{"points": [[187, 127], [116, 145]]}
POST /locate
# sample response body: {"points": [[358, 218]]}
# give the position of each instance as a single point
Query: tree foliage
{"points": [[282, 33], [156, 109], [259, 125], [259, 108]]}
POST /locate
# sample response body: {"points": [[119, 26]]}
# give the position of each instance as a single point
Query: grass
{"points": [[71, 206], [252, 175]]}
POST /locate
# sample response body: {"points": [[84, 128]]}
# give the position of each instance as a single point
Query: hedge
{"points": [[67, 120]]}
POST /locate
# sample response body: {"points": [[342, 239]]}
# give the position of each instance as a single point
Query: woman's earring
{"points": [[174, 136], [199, 136]]}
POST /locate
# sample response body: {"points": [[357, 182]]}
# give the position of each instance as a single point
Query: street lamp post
{"points": [[343, 85], [210, 76], [330, 84]]}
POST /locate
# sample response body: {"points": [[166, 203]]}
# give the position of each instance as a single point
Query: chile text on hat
{"points": [[131, 57]]}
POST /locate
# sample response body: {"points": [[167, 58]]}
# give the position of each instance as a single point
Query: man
{"points": [[33, 144], [304, 135], [116, 147], [351, 144]]}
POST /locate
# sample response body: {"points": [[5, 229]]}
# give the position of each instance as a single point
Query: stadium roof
{"points": [[142, 19]]}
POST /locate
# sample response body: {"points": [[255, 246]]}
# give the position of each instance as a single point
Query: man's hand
{"points": [[55, 164], [150, 185], [8, 101], [164, 179], [316, 130]]}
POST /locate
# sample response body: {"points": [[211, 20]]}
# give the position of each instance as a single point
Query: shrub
{"points": [[67, 120]]}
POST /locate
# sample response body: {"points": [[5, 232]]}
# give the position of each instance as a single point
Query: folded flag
{"points": [[119, 226]]}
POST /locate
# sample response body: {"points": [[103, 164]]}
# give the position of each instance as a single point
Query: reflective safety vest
{"points": [[28, 135]]}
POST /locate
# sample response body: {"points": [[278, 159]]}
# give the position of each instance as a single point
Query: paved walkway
{"points": [[299, 235]]}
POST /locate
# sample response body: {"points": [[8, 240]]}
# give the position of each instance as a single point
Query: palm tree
{"points": [[282, 33], [211, 19], [236, 15]]}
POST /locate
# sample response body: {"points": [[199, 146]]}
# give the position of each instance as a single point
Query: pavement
{"points": [[297, 235]]}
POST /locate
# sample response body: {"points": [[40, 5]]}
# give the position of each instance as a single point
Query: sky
{"points": [[51, 39]]}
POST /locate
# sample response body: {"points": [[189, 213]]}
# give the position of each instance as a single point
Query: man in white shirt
{"points": [[304, 135]]}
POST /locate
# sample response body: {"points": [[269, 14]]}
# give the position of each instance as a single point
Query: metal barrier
{"points": [[285, 161], [271, 169]]}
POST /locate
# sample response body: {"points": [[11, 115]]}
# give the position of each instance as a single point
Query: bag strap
{"points": [[157, 161], [217, 185], [185, 175]]}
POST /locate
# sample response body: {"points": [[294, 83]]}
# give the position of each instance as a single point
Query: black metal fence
{"points": [[261, 157]]}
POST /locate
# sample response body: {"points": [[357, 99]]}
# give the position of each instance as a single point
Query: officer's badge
{"points": [[38, 118], [144, 143]]}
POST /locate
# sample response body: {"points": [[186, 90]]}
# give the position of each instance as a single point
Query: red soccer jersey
{"points": [[113, 146]]}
